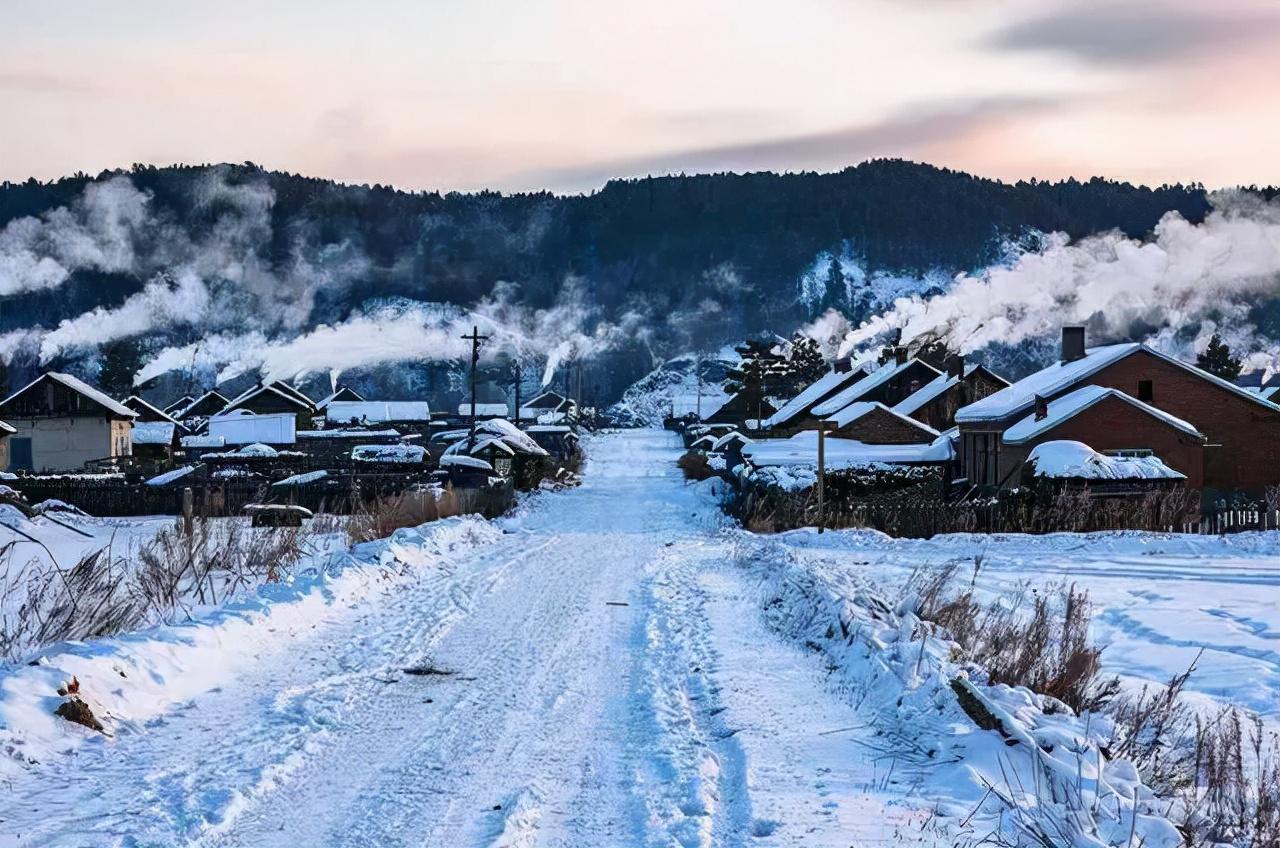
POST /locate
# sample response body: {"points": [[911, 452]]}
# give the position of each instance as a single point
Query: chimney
{"points": [[1072, 343], [1042, 407], [900, 354], [844, 365], [955, 366]]}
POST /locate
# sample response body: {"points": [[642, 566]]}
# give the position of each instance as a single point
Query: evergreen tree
{"points": [[1217, 360], [804, 366], [836, 295], [120, 361]]}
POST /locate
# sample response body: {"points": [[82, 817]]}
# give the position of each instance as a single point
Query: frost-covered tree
{"points": [[1217, 360]]}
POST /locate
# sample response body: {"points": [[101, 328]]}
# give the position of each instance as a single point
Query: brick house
{"points": [[793, 415], [739, 409], [876, 424], [937, 402], [1241, 451], [1109, 421]]}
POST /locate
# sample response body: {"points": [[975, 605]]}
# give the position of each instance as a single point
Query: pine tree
{"points": [[120, 361], [1217, 360], [836, 294]]}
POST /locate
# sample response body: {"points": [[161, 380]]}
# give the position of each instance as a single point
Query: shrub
{"points": [[695, 466]]}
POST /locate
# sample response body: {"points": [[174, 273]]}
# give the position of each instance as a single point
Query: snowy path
{"points": [[612, 684]]}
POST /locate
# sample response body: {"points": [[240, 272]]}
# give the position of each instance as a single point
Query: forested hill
{"points": [[657, 246]]}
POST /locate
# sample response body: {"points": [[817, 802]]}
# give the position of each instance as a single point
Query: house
{"points": [[483, 410], [60, 423], [559, 440], [1108, 420], [274, 397], [148, 412], [542, 404], [889, 384], [796, 411], [5, 432], [739, 409], [1241, 430], [342, 393], [406, 416], [179, 405], [242, 427], [155, 441], [801, 451], [936, 402], [209, 403], [876, 424]]}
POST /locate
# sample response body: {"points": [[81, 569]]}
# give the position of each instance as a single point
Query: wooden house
{"points": [[342, 393], [795, 413], [275, 397], [179, 405], [740, 409], [60, 423], [209, 403], [543, 404], [876, 424]]}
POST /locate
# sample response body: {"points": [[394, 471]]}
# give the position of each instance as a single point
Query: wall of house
{"points": [[1114, 424], [940, 413], [1243, 450], [66, 444], [881, 427]]}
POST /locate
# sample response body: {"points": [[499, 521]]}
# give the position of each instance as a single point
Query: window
{"points": [[1145, 391]]}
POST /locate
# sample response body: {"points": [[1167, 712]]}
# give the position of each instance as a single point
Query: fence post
{"points": [[822, 472], [188, 511]]}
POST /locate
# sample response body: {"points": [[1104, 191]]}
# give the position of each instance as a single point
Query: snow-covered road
{"points": [[607, 680]]}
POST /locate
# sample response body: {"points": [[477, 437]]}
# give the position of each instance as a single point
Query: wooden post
{"points": [[188, 511], [822, 474]]}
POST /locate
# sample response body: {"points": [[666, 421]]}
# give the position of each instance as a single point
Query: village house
{"points": [[741, 411], [936, 402], [60, 423], [210, 403], [179, 405], [147, 411], [155, 441], [795, 414], [242, 427], [877, 424], [543, 404], [405, 416], [276, 396], [889, 384], [1159, 403], [342, 393]]}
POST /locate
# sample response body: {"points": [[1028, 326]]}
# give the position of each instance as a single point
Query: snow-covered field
{"points": [[612, 666], [1159, 599]]}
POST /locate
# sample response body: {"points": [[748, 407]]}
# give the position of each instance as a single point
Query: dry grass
{"points": [[695, 467], [380, 517], [108, 592], [1040, 640]]}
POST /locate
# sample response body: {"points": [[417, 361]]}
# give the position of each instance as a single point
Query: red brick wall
{"points": [[1248, 434], [1114, 424], [882, 427]]}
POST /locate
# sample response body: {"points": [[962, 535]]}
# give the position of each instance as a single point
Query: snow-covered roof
{"points": [[727, 439], [80, 387], [1061, 375], [240, 427], [860, 389], [707, 442], [464, 461], [202, 441], [140, 406], [338, 394], [1070, 405], [388, 453], [217, 397], [802, 449], [492, 443], [483, 409], [252, 450], [349, 433], [302, 479], [277, 388], [931, 391], [1076, 460], [171, 475], [7, 429], [512, 435], [153, 432], [856, 410], [379, 411], [830, 382], [549, 428], [179, 405], [546, 400]]}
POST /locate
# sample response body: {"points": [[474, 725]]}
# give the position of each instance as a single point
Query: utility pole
{"points": [[822, 474], [515, 367], [475, 338]]}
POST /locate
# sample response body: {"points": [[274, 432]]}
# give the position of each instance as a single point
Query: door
{"points": [[20, 454]]}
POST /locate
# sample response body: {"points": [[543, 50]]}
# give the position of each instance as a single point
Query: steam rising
{"points": [[1186, 283]]}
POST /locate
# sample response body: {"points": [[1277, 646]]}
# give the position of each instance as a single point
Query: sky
{"points": [[565, 94]]}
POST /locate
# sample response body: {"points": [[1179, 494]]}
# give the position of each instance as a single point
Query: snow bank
{"points": [[1037, 769], [1078, 461], [129, 679]]}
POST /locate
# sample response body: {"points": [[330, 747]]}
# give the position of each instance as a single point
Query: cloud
{"points": [[1137, 33], [907, 131]]}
